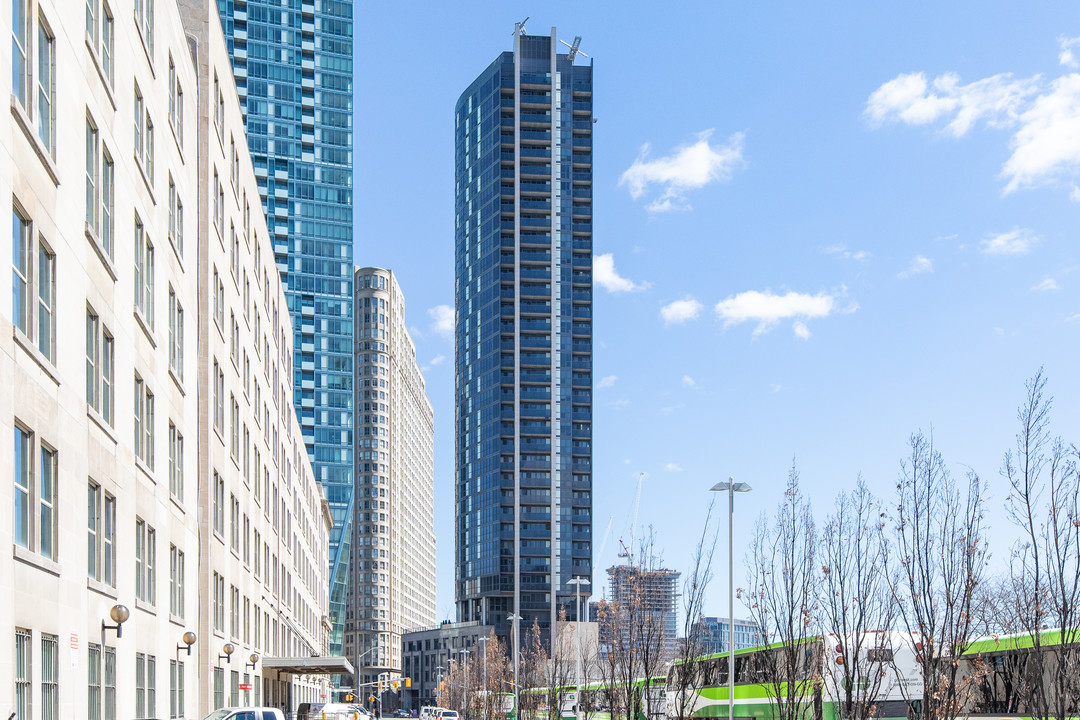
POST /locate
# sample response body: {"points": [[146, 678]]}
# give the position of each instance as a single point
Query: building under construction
{"points": [[653, 592]]}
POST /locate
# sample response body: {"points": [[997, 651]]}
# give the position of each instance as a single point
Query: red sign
{"points": [[245, 686], [74, 641]]}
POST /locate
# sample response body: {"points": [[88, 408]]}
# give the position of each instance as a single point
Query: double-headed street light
{"points": [[577, 583], [731, 487], [514, 619]]}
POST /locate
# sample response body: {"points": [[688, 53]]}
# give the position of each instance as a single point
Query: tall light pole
{"points": [[577, 583], [731, 487], [465, 689], [486, 693], [514, 618]]}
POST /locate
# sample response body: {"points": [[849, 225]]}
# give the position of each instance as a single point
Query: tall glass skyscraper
{"points": [[292, 60], [523, 451]]}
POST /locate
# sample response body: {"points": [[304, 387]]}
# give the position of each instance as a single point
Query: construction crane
{"points": [[574, 51], [627, 552], [519, 28]]}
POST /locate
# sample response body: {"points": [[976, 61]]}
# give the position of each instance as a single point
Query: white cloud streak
{"points": [[607, 381], [919, 264], [442, 320], [672, 467], [679, 311], [607, 277], [1047, 285], [1044, 115], [1017, 241], [801, 331], [688, 381], [843, 252], [767, 309], [688, 167], [437, 360]]}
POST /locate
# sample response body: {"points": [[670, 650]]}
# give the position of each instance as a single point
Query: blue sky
{"points": [[818, 228]]}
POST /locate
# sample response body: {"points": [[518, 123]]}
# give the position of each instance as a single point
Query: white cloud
{"points": [[913, 100], [688, 381], [1066, 57], [1046, 285], [672, 467], [918, 265], [607, 381], [679, 311], [775, 387], [843, 252], [1015, 242], [1047, 144], [688, 167], [1074, 194], [442, 320], [801, 331], [672, 408], [1045, 115], [768, 309], [437, 360], [605, 275]]}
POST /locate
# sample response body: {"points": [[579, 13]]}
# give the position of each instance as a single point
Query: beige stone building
{"points": [[157, 467], [393, 539]]}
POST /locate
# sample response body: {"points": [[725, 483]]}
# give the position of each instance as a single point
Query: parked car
{"points": [[331, 711], [246, 713]]}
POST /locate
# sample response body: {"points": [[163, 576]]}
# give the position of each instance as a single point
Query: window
{"points": [[144, 422], [176, 463], [46, 87], [100, 175], [145, 685], [22, 674], [110, 683], [219, 301], [176, 581], [176, 690], [219, 399], [20, 52], [247, 540], [219, 206], [235, 168], [39, 326], [176, 104], [234, 255], [219, 111], [144, 18], [22, 245], [24, 449], [234, 445], [219, 504], [101, 532], [234, 341], [176, 219], [144, 274], [234, 611], [145, 551], [101, 35], [219, 602], [144, 137], [46, 292], [93, 679], [219, 688], [176, 335], [99, 367], [46, 528], [234, 524]]}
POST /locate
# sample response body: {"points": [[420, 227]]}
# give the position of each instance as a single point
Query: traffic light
{"points": [[408, 682], [394, 685], [442, 685], [380, 686]]}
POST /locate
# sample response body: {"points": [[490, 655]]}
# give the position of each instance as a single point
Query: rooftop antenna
{"points": [[519, 28], [574, 51]]}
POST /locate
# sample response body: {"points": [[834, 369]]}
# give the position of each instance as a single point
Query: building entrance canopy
{"points": [[308, 665]]}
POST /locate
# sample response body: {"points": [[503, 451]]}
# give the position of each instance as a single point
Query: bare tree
{"points": [[937, 555], [1045, 563], [559, 669], [590, 701], [783, 598], [495, 673], [857, 608], [685, 680], [531, 675]]}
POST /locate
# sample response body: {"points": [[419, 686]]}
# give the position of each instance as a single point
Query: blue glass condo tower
{"points": [[292, 60], [523, 237]]}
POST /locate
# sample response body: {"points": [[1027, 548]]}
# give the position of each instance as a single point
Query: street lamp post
{"points": [[465, 689], [731, 487], [514, 618], [577, 583], [484, 640]]}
